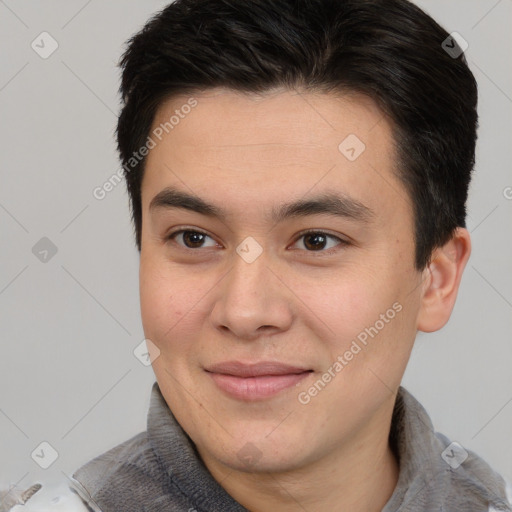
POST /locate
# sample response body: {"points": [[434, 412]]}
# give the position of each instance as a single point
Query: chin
{"points": [[259, 455]]}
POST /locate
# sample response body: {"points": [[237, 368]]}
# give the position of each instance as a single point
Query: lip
{"points": [[255, 381]]}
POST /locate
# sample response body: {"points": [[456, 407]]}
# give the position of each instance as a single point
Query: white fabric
{"points": [[53, 498]]}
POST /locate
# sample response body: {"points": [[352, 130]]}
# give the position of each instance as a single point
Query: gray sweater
{"points": [[160, 471]]}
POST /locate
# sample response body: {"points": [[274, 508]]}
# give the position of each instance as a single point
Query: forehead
{"points": [[301, 119], [247, 147]]}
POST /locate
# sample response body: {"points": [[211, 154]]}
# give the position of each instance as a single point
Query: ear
{"points": [[441, 281]]}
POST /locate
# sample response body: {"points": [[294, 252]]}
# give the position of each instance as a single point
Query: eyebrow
{"points": [[326, 203]]}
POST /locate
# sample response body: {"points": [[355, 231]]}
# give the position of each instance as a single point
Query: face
{"points": [[284, 303]]}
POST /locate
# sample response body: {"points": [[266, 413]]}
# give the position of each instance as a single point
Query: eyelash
{"points": [[341, 242]]}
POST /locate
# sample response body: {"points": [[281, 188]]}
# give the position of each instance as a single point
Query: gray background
{"points": [[68, 375]]}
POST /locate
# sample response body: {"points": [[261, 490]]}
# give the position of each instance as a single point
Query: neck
{"points": [[359, 477]]}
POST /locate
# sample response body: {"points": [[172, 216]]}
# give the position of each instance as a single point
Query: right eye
{"points": [[190, 238]]}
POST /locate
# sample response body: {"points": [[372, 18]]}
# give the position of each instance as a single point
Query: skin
{"points": [[299, 302]]}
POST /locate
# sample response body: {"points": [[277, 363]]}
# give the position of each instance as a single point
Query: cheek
{"points": [[173, 305], [161, 302], [349, 302], [366, 312]]}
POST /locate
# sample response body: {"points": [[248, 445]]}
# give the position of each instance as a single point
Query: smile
{"points": [[255, 381]]}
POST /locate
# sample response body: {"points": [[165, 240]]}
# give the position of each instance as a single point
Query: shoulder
{"points": [[469, 473], [460, 478], [127, 474], [508, 491], [131, 458]]}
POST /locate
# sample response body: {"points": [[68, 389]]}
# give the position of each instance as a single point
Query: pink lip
{"points": [[255, 381]]}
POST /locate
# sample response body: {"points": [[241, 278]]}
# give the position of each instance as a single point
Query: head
{"points": [[298, 174]]}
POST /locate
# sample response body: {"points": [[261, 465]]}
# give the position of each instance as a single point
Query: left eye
{"points": [[318, 240]]}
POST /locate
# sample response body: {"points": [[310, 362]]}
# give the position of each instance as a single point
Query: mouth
{"points": [[255, 381]]}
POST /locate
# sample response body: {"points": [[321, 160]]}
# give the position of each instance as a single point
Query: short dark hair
{"points": [[389, 50]]}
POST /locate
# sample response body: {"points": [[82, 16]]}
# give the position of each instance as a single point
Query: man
{"points": [[298, 174]]}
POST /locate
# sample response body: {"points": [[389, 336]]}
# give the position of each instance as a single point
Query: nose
{"points": [[252, 300]]}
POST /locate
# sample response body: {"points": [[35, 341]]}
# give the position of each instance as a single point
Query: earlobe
{"points": [[441, 281]]}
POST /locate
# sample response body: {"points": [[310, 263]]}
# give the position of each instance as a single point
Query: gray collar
{"points": [[427, 481], [181, 460], [435, 474]]}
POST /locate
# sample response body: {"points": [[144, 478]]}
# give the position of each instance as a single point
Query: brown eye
{"points": [[191, 239], [315, 241], [319, 241]]}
